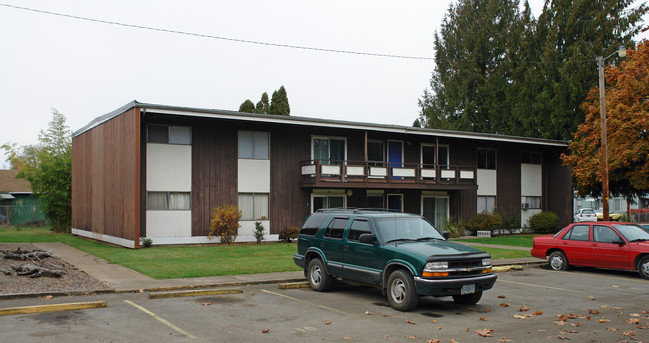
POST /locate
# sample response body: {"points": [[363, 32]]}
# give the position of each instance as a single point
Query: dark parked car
{"points": [[602, 244], [403, 254], [3, 220]]}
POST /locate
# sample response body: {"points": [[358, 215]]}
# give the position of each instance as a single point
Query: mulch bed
{"points": [[73, 279]]}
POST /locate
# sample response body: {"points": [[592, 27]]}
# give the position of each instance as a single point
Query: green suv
{"points": [[403, 254]]}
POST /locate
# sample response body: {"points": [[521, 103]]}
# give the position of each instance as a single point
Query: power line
{"points": [[217, 37]]}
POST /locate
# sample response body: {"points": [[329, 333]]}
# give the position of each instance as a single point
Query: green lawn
{"points": [[190, 261], [511, 240]]}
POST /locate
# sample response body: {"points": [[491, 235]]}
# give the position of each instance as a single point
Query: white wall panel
{"points": [[487, 184], [168, 223], [254, 176], [168, 167], [531, 180]]}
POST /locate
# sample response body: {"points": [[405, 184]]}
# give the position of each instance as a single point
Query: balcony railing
{"points": [[316, 171]]}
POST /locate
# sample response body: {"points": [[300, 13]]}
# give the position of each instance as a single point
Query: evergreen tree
{"points": [[573, 33], [472, 72], [247, 106], [279, 103], [263, 105]]}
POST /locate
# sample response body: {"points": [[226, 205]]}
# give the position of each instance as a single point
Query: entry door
{"points": [[435, 210], [395, 202], [395, 155]]}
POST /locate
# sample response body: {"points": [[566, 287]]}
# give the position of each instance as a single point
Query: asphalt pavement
{"points": [[121, 279]]}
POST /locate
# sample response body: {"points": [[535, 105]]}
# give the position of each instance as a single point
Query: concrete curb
{"points": [[192, 293]]}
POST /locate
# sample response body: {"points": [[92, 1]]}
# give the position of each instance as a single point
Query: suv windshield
{"points": [[406, 228]]}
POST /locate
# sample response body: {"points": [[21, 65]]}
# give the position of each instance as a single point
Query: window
{"points": [[168, 201], [578, 233], [375, 201], [531, 157], [359, 227], [486, 158], [531, 202], [375, 152], [253, 145], [166, 134], [253, 206], [336, 228], [604, 234], [486, 204], [428, 155], [328, 150], [328, 201]]}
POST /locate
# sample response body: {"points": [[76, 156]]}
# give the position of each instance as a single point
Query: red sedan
{"points": [[596, 244]]}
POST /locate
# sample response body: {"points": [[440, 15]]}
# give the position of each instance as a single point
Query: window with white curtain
{"points": [[168, 201], [253, 206]]}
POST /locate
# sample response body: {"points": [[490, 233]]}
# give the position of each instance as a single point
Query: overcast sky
{"points": [[86, 69]]}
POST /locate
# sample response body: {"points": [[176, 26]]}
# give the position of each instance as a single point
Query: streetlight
{"points": [[602, 110]]}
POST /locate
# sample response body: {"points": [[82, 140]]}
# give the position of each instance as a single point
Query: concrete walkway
{"points": [[121, 279]]}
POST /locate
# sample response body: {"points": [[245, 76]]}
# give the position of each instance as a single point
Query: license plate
{"points": [[468, 289]]}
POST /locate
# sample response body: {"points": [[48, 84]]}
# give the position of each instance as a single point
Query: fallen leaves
{"points": [[48, 297], [602, 320], [207, 304], [523, 308], [411, 322], [593, 311], [633, 321], [265, 331], [433, 341], [501, 297], [504, 305], [485, 332], [483, 318], [369, 313], [563, 338], [326, 322], [411, 337]]}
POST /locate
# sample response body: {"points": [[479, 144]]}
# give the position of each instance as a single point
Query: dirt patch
{"points": [[73, 279]]}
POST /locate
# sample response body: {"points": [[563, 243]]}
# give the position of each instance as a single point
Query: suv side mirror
{"points": [[368, 238], [446, 235]]}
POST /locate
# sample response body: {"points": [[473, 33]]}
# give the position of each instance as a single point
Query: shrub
{"points": [[146, 242], [225, 223], [289, 234], [455, 228], [485, 221], [510, 221], [259, 232], [544, 222]]}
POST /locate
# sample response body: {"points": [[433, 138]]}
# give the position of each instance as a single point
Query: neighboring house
{"points": [[17, 203], [157, 171]]}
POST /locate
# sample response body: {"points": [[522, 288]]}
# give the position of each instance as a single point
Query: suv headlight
{"points": [[486, 262], [434, 266]]}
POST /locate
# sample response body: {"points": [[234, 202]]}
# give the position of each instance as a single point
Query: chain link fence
{"points": [[21, 216]]}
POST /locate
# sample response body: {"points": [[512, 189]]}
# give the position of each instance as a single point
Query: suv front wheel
{"points": [[319, 280], [402, 295]]}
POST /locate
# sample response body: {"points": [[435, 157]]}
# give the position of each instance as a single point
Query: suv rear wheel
{"points": [[402, 295], [319, 280]]}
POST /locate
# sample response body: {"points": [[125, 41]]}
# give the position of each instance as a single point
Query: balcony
{"points": [[360, 174]]}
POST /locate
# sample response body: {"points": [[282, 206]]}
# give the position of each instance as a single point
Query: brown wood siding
{"points": [[557, 187], [105, 178], [214, 170], [508, 179], [289, 204]]}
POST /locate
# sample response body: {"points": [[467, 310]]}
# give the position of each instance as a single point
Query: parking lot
{"points": [[532, 305]]}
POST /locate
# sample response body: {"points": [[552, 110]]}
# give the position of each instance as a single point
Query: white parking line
{"points": [[310, 303], [540, 286], [163, 321]]}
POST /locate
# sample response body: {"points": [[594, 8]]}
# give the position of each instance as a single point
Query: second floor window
{"points": [[166, 134], [328, 150], [429, 152], [486, 158], [253, 145]]}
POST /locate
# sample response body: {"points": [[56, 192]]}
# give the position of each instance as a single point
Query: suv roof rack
{"points": [[357, 210]]}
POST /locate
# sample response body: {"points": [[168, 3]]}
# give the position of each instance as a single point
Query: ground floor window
{"points": [[375, 201], [486, 204], [531, 202], [168, 201], [435, 209], [319, 201], [395, 202], [253, 206]]}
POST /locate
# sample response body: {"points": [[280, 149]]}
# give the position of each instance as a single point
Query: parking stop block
{"points": [[51, 308], [192, 293], [291, 285]]}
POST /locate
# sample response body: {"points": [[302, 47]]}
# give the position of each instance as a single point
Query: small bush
{"points": [[510, 221], [225, 223], [544, 222], [146, 242], [455, 228], [289, 234], [259, 232], [485, 221]]}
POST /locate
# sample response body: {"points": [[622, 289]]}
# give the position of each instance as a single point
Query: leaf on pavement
{"points": [[470, 309], [501, 297], [604, 320], [628, 333], [327, 322], [559, 322], [207, 304], [634, 314], [537, 313], [265, 331], [612, 329], [591, 298], [483, 318], [593, 311], [433, 341], [575, 324], [411, 322], [643, 327], [633, 321], [433, 321], [347, 338], [523, 308], [368, 313], [504, 305], [485, 332], [411, 337], [504, 339], [563, 338]]}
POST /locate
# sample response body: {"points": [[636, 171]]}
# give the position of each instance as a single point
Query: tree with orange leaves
{"points": [[627, 119]]}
